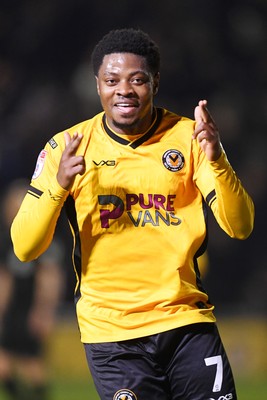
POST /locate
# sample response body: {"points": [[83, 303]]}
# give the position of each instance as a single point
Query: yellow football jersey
{"points": [[139, 222]]}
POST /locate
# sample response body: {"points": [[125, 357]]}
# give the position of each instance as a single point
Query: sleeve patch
{"points": [[39, 164], [53, 143]]}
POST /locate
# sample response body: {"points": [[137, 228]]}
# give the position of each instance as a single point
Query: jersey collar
{"points": [[157, 116]]}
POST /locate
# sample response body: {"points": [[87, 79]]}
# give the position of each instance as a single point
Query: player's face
{"points": [[126, 88]]}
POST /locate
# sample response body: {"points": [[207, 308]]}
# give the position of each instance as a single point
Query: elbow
{"points": [[20, 248], [244, 230], [242, 235], [246, 233], [23, 256], [247, 225], [244, 223]]}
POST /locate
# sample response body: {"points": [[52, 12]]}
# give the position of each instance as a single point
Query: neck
{"points": [[135, 128]]}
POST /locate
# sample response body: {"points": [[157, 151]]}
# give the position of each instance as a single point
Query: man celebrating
{"points": [[136, 182]]}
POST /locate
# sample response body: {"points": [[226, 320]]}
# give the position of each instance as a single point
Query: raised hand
{"points": [[206, 132], [70, 164]]}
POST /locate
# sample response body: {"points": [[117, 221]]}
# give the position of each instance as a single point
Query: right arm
{"points": [[34, 225]]}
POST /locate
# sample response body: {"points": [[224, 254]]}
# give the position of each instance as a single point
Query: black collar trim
{"points": [[157, 117]]}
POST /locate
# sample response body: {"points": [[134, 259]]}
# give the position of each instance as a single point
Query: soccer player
{"points": [[136, 181]]}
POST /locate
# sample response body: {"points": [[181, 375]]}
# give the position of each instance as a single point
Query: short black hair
{"points": [[128, 40]]}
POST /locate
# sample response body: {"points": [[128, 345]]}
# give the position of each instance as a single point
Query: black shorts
{"points": [[186, 363]]}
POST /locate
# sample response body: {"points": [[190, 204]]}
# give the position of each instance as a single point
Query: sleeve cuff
{"points": [[221, 164], [56, 192]]}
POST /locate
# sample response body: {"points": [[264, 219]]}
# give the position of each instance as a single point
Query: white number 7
{"points": [[216, 360]]}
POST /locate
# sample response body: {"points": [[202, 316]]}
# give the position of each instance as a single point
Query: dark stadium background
{"points": [[210, 49]]}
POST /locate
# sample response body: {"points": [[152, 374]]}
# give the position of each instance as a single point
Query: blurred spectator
{"points": [[29, 296]]}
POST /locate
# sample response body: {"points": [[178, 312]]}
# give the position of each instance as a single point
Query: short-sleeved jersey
{"points": [[139, 222]]}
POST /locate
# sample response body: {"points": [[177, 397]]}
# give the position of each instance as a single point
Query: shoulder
{"points": [[173, 119], [57, 142], [177, 126]]}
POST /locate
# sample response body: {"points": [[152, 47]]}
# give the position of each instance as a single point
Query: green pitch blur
{"points": [[70, 377], [84, 390]]}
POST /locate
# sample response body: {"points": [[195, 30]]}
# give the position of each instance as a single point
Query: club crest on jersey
{"points": [[173, 160], [125, 394], [39, 164]]}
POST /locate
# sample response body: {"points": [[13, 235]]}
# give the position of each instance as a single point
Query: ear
{"points": [[97, 85], [156, 83]]}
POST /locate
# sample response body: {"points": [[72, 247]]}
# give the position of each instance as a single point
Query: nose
{"points": [[124, 88]]}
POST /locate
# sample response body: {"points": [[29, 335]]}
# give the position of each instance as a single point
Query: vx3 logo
{"points": [[108, 163], [228, 396]]}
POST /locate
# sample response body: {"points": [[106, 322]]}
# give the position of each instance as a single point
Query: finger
{"points": [[200, 112], [79, 167], [206, 115], [200, 117], [67, 138], [73, 142], [204, 128], [203, 111], [205, 135]]}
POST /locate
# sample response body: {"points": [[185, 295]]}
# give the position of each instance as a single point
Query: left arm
{"points": [[230, 203]]}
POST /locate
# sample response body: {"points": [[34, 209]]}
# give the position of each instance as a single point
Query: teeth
{"points": [[124, 105]]}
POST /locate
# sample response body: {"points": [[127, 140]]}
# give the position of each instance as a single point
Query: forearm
{"points": [[233, 208], [33, 228]]}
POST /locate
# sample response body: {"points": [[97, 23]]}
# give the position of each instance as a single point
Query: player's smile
{"points": [[127, 107], [126, 88]]}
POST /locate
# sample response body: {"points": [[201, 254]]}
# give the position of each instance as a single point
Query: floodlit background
{"points": [[210, 49]]}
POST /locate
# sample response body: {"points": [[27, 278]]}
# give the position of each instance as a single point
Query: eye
{"points": [[110, 82], [138, 81]]}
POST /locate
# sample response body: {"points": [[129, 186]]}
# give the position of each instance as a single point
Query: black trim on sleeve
{"points": [[35, 192], [211, 197]]}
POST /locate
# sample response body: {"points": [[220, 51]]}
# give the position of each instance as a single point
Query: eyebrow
{"points": [[139, 71]]}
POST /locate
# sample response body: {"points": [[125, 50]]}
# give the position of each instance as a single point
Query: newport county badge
{"points": [[124, 394], [173, 160], [39, 164]]}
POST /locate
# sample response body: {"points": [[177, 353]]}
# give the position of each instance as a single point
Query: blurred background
{"points": [[210, 49]]}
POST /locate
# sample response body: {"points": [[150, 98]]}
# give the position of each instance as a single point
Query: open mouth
{"points": [[126, 108], [125, 105]]}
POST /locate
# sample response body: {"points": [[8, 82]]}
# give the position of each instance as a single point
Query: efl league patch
{"points": [[39, 164], [124, 394], [173, 160], [53, 143]]}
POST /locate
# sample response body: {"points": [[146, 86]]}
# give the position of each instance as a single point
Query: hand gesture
{"points": [[70, 164], [206, 132]]}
